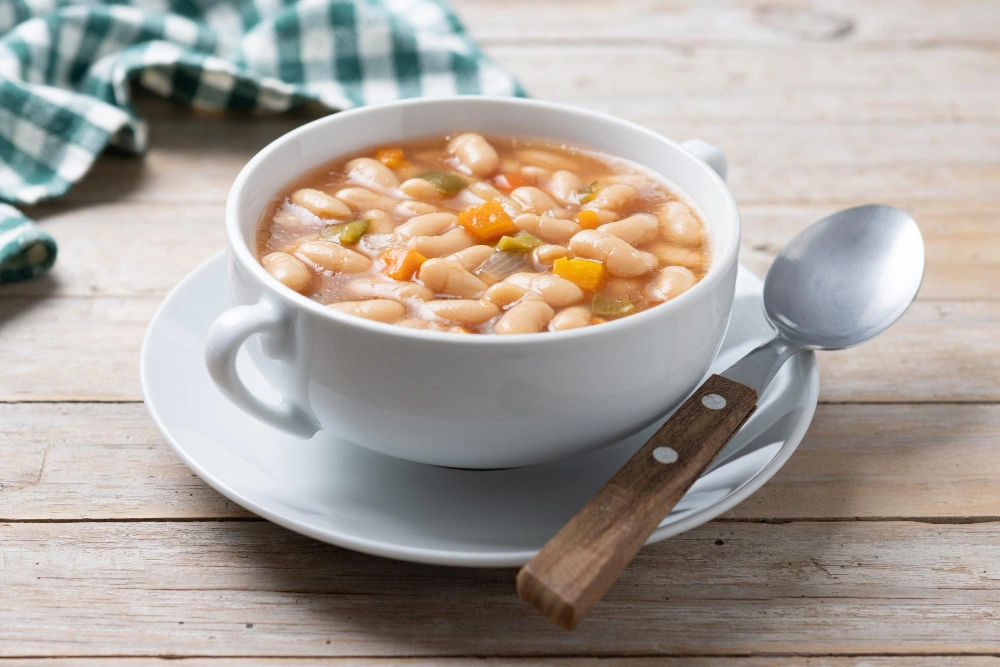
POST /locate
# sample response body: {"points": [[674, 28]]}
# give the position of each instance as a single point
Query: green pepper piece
{"points": [[589, 193], [346, 232], [446, 182], [611, 306], [522, 242]]}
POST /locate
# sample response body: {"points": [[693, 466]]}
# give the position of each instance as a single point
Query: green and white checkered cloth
{"points": [[66, 67]]}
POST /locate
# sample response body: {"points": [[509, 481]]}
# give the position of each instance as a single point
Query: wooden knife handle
{"points": [[575, 568]]}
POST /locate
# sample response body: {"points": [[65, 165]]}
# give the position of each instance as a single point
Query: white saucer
{"points": [[346, 495]]}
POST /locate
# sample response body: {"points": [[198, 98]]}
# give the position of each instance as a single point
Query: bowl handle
{"points": [[708, 154], [227, 335]]}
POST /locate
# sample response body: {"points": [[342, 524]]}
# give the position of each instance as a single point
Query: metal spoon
{"points": [[837, 284]]}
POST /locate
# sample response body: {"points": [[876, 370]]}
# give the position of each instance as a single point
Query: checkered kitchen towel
{"points": [[66, 66]]}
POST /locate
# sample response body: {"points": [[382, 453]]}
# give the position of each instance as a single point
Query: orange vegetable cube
{"points": [[394, 158], [401, 263], [487, 222], [510, 182], [588, 219], [587, 274]]}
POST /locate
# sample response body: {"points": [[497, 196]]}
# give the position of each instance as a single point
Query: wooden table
{"points": [[880, 539]]}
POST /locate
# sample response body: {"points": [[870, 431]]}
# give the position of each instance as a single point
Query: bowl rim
{"points": [[238, 247]]}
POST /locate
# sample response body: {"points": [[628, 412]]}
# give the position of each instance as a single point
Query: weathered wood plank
{"points": [[123, 249], [87, 349], [128, 249], [839, 82], [771, 161], [818, 106], [814, 83], [77, 461], [106, 461], [735, 23], [72, 349], [242, 588], [937, 352], [576, 661], [962, 244], [877, 461]]}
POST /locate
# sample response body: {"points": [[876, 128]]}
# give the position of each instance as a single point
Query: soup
{"points": [[477, 235]]}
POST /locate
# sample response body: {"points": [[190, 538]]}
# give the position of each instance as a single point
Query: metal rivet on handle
{"points": [[713, 401], [665, 455]]}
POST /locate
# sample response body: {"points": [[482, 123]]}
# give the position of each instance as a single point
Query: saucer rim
{"points": [[451, 557]]}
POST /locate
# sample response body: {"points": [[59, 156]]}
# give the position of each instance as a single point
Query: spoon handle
{"points": [[575, 568]]}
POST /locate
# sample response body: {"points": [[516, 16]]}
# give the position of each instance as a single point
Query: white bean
{"points": [[556, 290], [636, 230], [431, 224], [291, 272], [363, 199], [635, 180], [573, 317], [334, 257], [414, 323], [564, 185], [438, 246], [444, 276], [466, 311], [670, 254], [525, 317], [670, 283], [473, 151], [381, 222], [548, 253], [470, 258], [533, 199], [368, 171], [604, 216], [679, 224], [614, 197], [383, 288], [486, 192], [380, 310], [546, 227], [503, 294], [620, 258], [320, 203], [632, 288], [418, 188], [541, 158], [408, 209], [293, 245], [538, 174]]}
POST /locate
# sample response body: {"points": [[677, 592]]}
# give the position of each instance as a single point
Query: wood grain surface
{"points": [[878, 543]]}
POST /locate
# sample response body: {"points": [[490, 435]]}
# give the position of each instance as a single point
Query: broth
{"points": [[481, 235]]}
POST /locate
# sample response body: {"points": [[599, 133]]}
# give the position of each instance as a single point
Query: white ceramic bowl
{"points": [[468, 401]]}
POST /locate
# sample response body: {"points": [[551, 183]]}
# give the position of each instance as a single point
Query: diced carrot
{"points": [[598, 320], [512, 181], [487, 222], [588, 219], [394, 158], [587, 274], [401, 263]]}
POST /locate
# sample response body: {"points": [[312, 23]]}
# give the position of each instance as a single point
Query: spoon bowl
{"points": [[845, 278]]}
